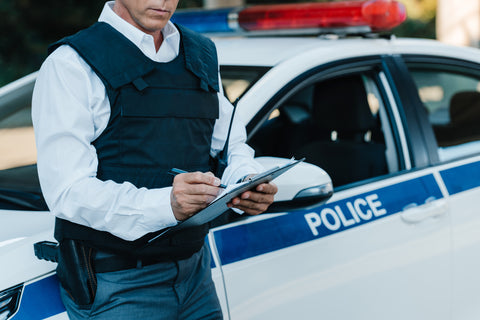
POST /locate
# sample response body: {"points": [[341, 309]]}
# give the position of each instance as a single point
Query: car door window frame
{"points": [[419, 137], [360, 65]]}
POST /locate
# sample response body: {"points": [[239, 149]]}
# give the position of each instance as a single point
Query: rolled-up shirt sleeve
{"points": [[67, 119]]}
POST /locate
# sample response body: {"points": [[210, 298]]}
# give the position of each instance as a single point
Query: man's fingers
{"points": [[198, 178], [269, 188], [256, 201], [198, 189], [198, 195], [200, 199], [249, 207], [185, 206], [263, 193], [192, 192], [257, 197]]}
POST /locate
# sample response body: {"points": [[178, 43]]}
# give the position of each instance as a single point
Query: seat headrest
{"points": [[465, 108], [341, 104]]}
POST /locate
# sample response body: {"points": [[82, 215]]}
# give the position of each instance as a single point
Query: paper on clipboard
{"points": [[219, 205]]}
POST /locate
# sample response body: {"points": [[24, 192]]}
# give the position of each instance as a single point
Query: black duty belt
{"points": [[117, 263]]}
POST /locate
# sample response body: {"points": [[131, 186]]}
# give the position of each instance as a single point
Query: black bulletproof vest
{"points": [[162, 116]]}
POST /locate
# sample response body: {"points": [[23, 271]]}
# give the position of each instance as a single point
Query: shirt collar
{"points": [[171, 36]]}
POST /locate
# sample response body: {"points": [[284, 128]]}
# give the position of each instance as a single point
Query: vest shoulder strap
{"points": [[200, 48], [114, 59]]}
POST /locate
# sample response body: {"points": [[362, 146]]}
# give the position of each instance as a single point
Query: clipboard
{"points": [[219, 205]]}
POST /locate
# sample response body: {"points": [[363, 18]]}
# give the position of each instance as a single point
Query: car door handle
{"points": [[432, 209]]}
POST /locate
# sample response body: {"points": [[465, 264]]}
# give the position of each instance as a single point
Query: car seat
{"points": [[341, 108], [464, 126]]}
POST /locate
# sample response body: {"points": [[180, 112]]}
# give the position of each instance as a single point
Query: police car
{"points": [[392, 121]]}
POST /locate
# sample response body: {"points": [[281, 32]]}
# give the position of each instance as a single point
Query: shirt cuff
{"points": [[160, 214]]}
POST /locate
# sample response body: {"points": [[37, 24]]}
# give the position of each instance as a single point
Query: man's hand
{"points": [[255, 201], [192, 192]]}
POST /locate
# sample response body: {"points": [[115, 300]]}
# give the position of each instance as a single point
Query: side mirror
{"points": [[303, 186]]}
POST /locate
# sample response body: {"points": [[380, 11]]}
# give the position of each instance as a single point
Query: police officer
{"points": [[115, 106]]}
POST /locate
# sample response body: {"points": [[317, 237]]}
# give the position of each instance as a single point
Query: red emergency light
{"points": [[377, 14]]}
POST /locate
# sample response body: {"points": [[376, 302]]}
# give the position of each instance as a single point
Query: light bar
{"points": [[205, 21], [378, 15]]}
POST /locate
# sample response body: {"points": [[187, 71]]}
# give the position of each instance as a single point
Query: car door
{"points": [[449, 90], [379, 248]]}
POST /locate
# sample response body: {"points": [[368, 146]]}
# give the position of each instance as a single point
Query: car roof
{"points": [[261, 51], [270, 51], [290, 57]]}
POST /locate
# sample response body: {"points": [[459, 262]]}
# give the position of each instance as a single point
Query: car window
{"points": [[19, 185], [338, 124], [17, 142], [236, 80], [452, 100]]}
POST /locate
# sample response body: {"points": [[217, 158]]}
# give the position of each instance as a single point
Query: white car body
{"points": [[398, 246]]}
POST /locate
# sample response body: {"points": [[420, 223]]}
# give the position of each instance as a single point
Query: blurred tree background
{"points": [[29, 26], [420, 19]]}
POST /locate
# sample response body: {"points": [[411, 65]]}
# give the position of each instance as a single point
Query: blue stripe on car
{"points": [[462, 178], [40, 300], [252, 239]]}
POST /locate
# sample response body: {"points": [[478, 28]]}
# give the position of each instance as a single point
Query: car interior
{"points": [[452, 100], [464, 112], [333, 128]]}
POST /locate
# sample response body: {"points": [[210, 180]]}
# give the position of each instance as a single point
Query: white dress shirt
{"points": [[70, 109]]}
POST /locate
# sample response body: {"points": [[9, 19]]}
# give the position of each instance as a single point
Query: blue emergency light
{"points": [[205, 21]]}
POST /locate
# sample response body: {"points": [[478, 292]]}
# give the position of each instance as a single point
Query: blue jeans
{"points": [[168, 290]]}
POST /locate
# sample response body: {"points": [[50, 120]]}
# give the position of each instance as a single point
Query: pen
{"points": [[175, 171]]}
